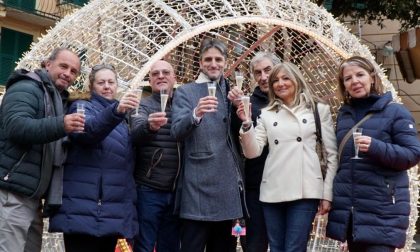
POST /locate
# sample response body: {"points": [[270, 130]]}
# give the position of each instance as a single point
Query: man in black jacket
{"points": [[32, 124], [157, 165], [256, 237]]}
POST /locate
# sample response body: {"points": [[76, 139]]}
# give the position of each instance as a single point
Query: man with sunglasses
{"points": [[32, 125], [157, 164]]}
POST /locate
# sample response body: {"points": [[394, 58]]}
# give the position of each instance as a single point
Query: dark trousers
{"points": [[256, 232], [211, 236], [289, 224], [87, 243], [364, 247], [158, 226]]}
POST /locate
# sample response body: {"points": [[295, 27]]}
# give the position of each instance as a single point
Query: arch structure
{"points": [[133, 34]]}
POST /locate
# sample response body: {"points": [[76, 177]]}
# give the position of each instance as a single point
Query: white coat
{"points": [[292, 169]]}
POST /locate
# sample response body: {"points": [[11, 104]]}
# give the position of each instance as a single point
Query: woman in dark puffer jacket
{"points": [[371, 202], [99, 191]]}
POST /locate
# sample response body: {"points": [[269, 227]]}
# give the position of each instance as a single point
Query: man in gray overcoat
{"points": [[210, 188]]}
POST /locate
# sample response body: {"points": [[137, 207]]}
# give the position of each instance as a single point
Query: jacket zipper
{"points": [[7, 176], [100, 195], [179, 167]]}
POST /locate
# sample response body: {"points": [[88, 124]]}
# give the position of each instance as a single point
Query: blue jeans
{"points": [[256, 234], [289, 224], [158, 226]]}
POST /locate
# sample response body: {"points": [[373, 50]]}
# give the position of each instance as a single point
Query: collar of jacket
{"points": [[260, 94], [379, 105], [203, 78], [102, 100], [303, 101]]}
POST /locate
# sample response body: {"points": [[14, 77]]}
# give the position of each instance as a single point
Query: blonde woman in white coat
{"points": [[292, 188]]}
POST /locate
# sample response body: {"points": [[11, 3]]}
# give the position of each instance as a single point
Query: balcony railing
{"points": [[45, 8]]}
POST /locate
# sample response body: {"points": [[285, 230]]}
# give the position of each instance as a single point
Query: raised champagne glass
{"points": [[239, 78], [163, 98], [357, 132], [138, 91], [245, 102], [80, 109], [212, 88]]}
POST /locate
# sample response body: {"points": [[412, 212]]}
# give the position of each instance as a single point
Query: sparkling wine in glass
{"points": [[163, 98], [239, 77], [212, 88], [357, 132], [80, 109], [138, 92], [245, 102]]}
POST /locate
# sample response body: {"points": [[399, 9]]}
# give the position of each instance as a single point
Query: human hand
{"points": [[128, 101], [206, 104], [240, 112], [157, 120], [74, 123], [235, 95], [364, 143], [324, 207]]}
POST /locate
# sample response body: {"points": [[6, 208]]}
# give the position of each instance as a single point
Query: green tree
{"points": [[405, 11]]}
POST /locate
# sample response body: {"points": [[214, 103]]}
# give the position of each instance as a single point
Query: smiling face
{"points": [[357, 81], [212, 63], [261, 72], [161, 75], [284, 88], [64, 69], [105, 84]]}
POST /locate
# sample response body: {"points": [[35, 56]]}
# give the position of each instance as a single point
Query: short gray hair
{"points": [[209, 43], [259, 56]]}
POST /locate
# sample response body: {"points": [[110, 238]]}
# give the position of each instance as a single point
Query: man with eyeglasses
{"points": [[211, 187], [157, 164], [32, 125]]}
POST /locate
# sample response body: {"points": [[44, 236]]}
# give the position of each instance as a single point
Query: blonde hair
{"points": [[377, 86], [295, 75]]}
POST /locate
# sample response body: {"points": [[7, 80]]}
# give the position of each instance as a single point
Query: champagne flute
{"points": [[163, 98], [245, 102], [80, 109], [357, 132], [239, 78], [138, 92], [212, 88]]}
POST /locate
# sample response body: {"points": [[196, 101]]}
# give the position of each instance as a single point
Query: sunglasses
{"points": [[103, 66]]}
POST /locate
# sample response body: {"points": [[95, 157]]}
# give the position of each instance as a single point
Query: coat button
{"points": [[304, 121], [275, 124], [224, 119], [276, 141], [298, 139]]}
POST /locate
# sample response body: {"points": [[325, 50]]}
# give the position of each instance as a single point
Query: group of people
{"points": [[179, 178]]}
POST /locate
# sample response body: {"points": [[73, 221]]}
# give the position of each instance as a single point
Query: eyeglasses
{"points": [[103, 66]]}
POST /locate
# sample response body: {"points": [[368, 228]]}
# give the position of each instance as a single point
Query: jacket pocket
{"points": [[14, 167]]}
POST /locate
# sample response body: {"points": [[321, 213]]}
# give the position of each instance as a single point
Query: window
{"points": [[12, 45]]}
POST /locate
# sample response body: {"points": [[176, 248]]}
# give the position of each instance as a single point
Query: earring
{"points": [[346, 94]]}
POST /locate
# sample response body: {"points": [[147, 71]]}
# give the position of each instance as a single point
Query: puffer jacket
{"points": [[25, 132], [158, 153], [99, 191], [374, 190]]}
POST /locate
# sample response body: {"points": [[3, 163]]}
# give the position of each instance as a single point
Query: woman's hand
{"points": [[364, 143], [241, 113], [324, 207], [128, 101]]}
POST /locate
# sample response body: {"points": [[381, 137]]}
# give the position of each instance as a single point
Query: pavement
{"points": [[416, 246]]}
